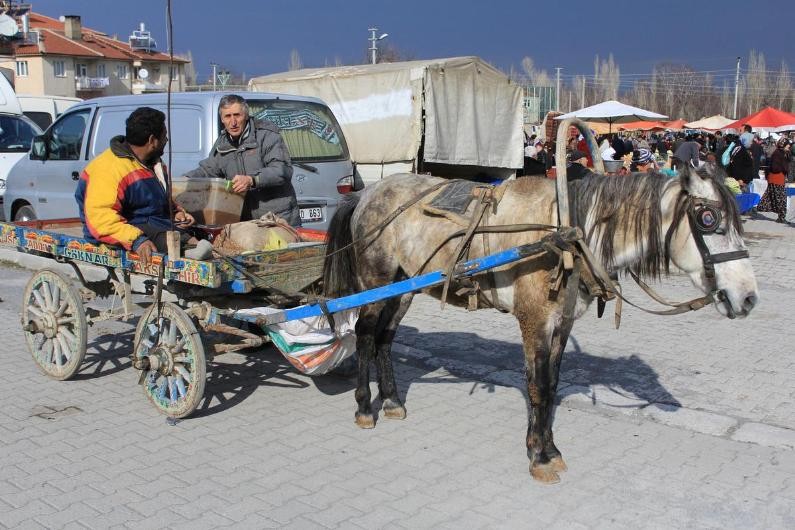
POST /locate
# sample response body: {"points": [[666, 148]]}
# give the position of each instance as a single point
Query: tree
{"points": [[607, 76], [190, 69], [295, 61]]}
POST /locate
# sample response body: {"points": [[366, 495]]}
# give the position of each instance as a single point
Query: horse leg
{"points": [[537, 361], [365, 350], [558, 345], [559, 341], [391, 316]]}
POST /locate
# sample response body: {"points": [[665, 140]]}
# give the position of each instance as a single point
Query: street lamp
{"points": [[373, 40]]}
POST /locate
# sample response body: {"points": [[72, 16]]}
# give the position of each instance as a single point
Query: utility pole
{"points": [[373, 43], [736, 88], [570, 93], [557, 90], [215, 68]]}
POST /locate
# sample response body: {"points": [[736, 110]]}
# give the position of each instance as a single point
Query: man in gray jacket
{"points": [[253, 156]]}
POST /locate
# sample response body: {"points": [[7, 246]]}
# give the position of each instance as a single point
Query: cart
{"points": [[168, 348], [212, 296]]}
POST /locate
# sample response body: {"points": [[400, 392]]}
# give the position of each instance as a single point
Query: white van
{"points": [[16, 132], [44, 109], [42, 185]]}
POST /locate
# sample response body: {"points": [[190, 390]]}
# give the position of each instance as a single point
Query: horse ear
{"points": [[686, 176]]}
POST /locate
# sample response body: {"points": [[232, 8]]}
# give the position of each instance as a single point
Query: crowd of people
{"points": [[745, 156]]}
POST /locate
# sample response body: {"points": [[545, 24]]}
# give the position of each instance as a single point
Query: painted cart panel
{"points": [[289, 269]]}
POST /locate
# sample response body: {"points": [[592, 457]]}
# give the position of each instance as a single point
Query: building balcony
{"points": [[139, 86], [91, 83]]}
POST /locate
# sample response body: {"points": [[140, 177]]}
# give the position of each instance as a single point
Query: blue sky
{"points": [[256, 37]]}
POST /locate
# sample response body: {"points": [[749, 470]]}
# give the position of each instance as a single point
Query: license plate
{"points": [[311, 214]]}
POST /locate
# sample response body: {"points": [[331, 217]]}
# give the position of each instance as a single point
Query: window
{"points": [[173, 72], [101, 70], [122, 71], [81, 70], [65, 139], [22, 68], [42, 119], [309, 130], [16, 134], [59, 68], [186, 138]]}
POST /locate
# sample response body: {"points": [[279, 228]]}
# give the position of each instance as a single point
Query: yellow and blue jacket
{"points": [[117, 194]]}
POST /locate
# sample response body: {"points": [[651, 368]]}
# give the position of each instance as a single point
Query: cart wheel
{"points": [[172, 351], [54, 322]]}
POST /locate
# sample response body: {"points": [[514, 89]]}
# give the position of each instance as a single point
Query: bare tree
{"points": [[392, 54], [607, 76], [295, 61], [756, 81], [190, 69]]}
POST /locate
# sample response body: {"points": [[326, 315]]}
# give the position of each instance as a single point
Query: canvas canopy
{"points": [[612, 112], [472, 112], [713, 123], [768, 120]]}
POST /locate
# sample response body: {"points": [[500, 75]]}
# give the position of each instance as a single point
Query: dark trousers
{"points": [[156, 233]]}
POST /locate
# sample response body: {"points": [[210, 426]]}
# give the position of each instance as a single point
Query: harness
{"points": [[705, 218]]}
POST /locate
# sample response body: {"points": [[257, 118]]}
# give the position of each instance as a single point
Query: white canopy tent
{"points": [[713, 123], [611, 112], [461, 110]]}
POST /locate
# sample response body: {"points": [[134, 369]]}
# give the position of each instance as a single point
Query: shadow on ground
{"points": [[233, 378], [628, 376]]}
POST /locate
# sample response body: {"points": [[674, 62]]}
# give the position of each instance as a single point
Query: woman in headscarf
{"points": [[741, 166], [775, 197]]}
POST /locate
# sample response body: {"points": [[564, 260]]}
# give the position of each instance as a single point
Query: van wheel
{"points": [[25, 213]]}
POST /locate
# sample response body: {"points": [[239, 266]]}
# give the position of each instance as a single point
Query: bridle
{"points": [[704, 216]]}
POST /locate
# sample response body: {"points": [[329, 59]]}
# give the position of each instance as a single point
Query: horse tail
{"points": [[339, 267]]}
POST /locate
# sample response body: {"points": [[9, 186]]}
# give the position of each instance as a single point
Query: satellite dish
{"points": [[8, 26], [143, 73]]}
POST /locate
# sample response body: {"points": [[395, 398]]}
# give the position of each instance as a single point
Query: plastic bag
{"points": [[309, 344]]}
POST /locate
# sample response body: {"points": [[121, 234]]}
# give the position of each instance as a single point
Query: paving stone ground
{"points": [[680, 422]]}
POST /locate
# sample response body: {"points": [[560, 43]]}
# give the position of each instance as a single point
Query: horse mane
{"points": [[631, 207]]}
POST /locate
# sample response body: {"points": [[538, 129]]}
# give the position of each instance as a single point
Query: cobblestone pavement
{"points": [[668, 422]]}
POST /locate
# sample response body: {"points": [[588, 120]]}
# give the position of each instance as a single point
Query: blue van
{"points": [[42, 184]]}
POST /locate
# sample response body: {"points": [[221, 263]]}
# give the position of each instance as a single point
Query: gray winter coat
{"points": [[263, 155]]}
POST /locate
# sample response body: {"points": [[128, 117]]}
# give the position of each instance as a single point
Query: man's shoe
{"points": [[203, 250]]}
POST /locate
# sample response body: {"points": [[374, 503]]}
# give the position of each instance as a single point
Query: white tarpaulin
{"points": [[473, 114], [713, 123]]}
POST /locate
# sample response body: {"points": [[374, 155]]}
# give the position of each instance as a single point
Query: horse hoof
{"points": [[365, 421], [544, 473], [558, 464], [395, 413]]}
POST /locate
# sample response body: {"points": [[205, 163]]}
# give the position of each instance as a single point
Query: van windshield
{"points": [[309, 130], [16, 134]]}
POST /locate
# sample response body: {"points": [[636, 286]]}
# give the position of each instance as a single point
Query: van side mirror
{"points": [[38, 148], [358, 183]]}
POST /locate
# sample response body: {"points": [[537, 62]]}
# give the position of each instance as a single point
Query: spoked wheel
{"points": [[54, 322], [170, 351]]}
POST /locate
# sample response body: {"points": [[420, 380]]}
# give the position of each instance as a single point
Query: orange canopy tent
{"points": [[675, 125], [768, 119], [642, 126]]}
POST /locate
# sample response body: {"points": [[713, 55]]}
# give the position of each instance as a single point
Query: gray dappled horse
{"points": [[641, 222]]}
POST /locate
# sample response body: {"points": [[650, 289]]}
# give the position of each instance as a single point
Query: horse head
{"points": [[705, 241]]}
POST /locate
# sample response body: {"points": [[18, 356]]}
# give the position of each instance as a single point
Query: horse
{"points": [[640, 223]]}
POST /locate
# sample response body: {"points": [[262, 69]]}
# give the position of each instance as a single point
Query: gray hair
{"points": [[231, 99]]}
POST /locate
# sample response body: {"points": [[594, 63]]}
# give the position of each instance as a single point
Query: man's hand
{"points": [[183, 219], [242, 183], [145, 250]]}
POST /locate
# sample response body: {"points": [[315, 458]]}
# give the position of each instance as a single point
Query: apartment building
{"points": [[63, 58]]}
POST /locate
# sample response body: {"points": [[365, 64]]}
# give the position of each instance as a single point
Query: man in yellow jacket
{"points": [[122, 192]]}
